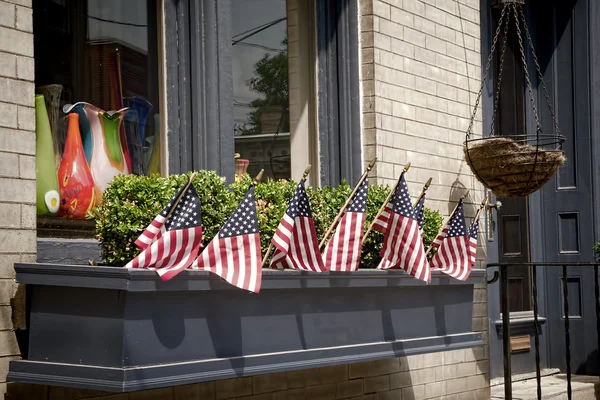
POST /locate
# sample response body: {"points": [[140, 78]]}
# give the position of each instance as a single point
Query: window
{"points": [[97, 65], [273, 66]]}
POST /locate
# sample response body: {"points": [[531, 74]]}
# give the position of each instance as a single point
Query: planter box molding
{"points": [[120, 330]]}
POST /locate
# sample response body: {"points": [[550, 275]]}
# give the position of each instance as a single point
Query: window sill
{"points": [[197, 328]]}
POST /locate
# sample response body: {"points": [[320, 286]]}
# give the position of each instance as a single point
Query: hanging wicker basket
{"points": [[511, 168], [514, 165]]}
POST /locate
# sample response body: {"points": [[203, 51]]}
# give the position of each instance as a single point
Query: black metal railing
{"points": [[504, 309]]}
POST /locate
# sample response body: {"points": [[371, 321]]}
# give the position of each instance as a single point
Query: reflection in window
{"points": [[260, 87], [97, 70]]}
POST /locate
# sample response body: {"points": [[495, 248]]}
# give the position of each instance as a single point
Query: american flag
{"points": [[439, 238], [342, 253], [456, 254], [180, 238], [234, 254], [382, 220], [403, 244], [157, 227], [295, 239]]}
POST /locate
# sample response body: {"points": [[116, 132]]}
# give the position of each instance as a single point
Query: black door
{"points": [[562, 31]]}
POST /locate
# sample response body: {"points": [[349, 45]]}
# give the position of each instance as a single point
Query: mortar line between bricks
{"points": [[16, 78], [425, 18], [433, 36]]}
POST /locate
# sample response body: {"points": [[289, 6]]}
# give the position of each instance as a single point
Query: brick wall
{"points": [[421, 70], [454, 375], [17, 164]]}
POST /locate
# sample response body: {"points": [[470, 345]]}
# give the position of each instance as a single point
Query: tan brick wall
{"points": [[17, 164], [453, 375], [421, 71]]}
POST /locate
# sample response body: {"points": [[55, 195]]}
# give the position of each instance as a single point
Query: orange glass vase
{"points": [[77, 188]]}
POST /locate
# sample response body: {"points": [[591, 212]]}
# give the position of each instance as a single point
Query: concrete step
{"points": [[553, 387]]}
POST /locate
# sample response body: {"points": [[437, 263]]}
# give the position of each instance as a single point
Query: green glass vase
{"points": [[47, 195]]}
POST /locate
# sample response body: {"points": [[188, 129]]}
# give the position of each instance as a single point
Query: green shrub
{"points": [[597, 251], [131, 202]]}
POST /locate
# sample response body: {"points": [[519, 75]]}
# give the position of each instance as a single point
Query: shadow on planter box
{"points": [[118, 330]]}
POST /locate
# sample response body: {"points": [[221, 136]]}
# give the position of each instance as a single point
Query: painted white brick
{"points": [[7, 14], [435, 389], [417, 99], [391, 60], [447, 91], [28, 216], [9, 165], [437, 45], [14, 141], [10, 216], [394, 3], [24, 19], [445, 33], [8, 115], [25, 68], [424, 25], [8, 64], [414, 6], [403, 48], [26, 3], [435, 14], [454, 22], [427, 116], [382, 42], [26, 167], [16, 42], [426, 85], [414, 37], [12, 240], [402, 17], [26, 118], [15, 91], [424, 55], [381, 9], [384, 106], [392, 29], [468, 13], [403, 110]]}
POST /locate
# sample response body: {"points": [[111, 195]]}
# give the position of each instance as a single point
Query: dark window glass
{"points": [[260, 86]]}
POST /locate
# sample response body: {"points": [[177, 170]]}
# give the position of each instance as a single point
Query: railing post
{"points": [[597, 292], [538, 375], [567, 334], [506, 333]]}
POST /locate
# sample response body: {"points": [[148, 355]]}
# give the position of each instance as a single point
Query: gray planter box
{"points": [[119, 330]]}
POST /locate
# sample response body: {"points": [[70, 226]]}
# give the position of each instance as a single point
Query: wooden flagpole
{"points": [[258, 177], [339, 215], [386, 201], [270, 249], [423, 191], [186, 187]]}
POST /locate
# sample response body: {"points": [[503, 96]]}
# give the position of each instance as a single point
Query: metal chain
{"points": [[487, 69], [500, 71], [539, 71], [529, 87]]}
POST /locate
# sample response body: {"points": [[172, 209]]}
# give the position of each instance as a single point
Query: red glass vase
{"points": [[77, 188]]}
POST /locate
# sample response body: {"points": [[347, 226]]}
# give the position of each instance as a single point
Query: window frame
{"points": [[198, 34]]}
